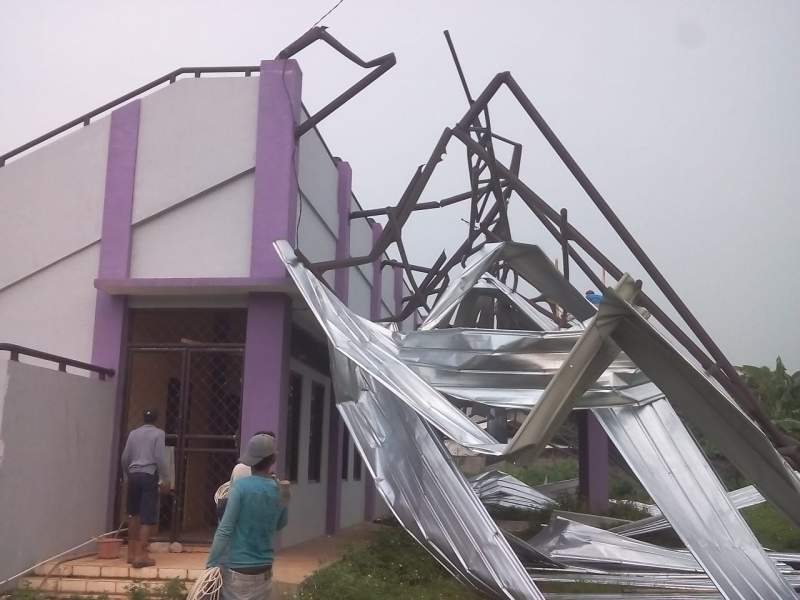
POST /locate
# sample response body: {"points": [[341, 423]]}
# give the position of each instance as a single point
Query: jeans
{"points": [[238, 586]]}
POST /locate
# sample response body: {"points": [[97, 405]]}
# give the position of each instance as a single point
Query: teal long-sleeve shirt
{"points": [[252, 517]]}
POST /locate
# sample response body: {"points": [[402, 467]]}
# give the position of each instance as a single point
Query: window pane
{"points": [[356, 464], [345, 453], [315, 437], [293, 425]]}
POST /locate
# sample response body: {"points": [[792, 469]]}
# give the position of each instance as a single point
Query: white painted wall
{"points": [[359, 294], [193, 134], [352, 506], [53, 311], [361, 241], [55, 493], [315, 237], [52, 202], [319, 178], [309, 499], [206, 237]]}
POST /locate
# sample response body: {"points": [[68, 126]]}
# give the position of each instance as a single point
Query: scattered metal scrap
{"points": [[487, 346], [501, 490]]}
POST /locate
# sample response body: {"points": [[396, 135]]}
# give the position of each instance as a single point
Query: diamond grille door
{"points": [[210, 435], [188, 365]]}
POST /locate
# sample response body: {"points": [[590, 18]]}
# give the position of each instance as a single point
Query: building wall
{"points": [[59, 184], [352, 507], [54, 493], [206, 237], [193, 134], [53, 310], [192, 218], [307, 507]]}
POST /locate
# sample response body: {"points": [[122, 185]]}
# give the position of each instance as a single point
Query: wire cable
{"points": [[335, 6]]}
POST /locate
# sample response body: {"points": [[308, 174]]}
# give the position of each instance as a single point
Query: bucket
{"points": [[109, 548]]}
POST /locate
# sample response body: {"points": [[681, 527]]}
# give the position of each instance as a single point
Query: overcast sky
{"points": [[684, 114]]}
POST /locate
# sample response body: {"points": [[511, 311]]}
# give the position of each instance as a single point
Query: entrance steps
{"points": [[91, 576]]}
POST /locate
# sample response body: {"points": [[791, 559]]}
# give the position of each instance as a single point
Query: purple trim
{"points": [[115, 256], [341, 285], [266, 366], [275, 200], [398, 290], [115, 242], [593, 462], [377, 276], [344, 196], [166, 286], [375, 313]]}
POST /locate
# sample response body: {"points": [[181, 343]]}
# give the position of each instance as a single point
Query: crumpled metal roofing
{"points": [[741, 498], [579, 545], [498, 489], [411, 467], [384, 370]]}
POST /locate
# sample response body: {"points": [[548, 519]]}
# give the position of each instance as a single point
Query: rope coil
{"points": [[208, 586]]}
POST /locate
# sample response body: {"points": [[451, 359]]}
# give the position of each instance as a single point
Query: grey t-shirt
{"points": [[145, 452]]}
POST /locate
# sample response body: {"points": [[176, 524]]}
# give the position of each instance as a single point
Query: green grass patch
{"points": [[545, 470], [391, 565], [772, 529]]}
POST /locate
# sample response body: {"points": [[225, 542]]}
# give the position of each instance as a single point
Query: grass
{"points": [[544, 471], [174, 589], [772, 529], [392, 565]]}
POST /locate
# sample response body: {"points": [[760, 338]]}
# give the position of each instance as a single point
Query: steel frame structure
{"points": [[491, 187]]}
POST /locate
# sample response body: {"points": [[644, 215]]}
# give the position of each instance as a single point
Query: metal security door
{"points": [[208, 441], [197, 391]]}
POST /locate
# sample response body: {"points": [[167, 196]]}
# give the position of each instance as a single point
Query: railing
{"points": [[87, 118], [62, 361]]}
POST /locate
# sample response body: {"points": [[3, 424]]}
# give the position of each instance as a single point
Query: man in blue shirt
{"points": [[254, 513], [143, 464]]}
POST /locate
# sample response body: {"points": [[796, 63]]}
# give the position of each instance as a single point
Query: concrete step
{"points": [[87, 585], [117, 588], [117, 572]]}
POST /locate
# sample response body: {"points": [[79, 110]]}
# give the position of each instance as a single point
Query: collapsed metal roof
{"points": [[484, 344]]}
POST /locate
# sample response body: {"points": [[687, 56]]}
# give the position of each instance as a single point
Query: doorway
{"points": [[188, 365]]}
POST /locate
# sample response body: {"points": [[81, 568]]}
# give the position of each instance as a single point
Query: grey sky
{"points": [[684, 114]]}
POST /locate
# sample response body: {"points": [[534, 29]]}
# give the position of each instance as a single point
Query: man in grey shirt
{"points": [[143, 463]]}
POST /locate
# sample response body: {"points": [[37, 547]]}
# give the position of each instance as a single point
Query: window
{"points": [[315, 437], [356, 464], [345, 453], [294, 407]]}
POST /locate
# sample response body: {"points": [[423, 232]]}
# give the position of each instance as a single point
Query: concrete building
{"points": [[141, 242]]}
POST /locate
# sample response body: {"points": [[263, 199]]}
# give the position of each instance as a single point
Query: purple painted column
{"points": [[374, 313], [592, 462], [115, 257], [341, 284], [115, 242], [275, 200], [266, 366], [399, 288]]}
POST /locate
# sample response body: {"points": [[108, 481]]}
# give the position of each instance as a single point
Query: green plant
{"points": [[392, 565], [26, 592], [174, 589], [138, 591], [779, 391]]}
